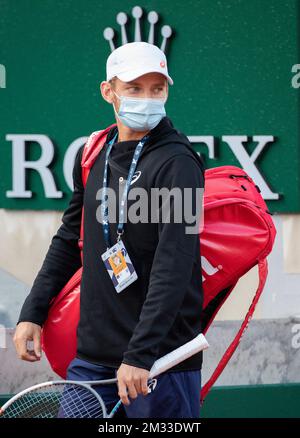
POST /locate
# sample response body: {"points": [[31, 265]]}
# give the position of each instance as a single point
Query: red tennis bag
{"points": [[238, 233]]}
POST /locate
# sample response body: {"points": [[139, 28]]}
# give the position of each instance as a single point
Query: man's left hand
{"points": [[131, 382]]}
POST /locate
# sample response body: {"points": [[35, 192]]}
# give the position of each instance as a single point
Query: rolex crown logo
{"points": [[137, 14]]}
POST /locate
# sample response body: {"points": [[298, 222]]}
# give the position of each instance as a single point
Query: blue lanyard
{"points": [[104, 201]]}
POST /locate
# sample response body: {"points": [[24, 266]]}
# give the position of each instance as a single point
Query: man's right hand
{"points": [[26, 332]]}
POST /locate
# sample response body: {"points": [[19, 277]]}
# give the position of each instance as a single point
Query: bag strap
{"points": [[263, 272], [93, 146]]}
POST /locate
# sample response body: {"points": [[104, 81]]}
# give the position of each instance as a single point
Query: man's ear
{"points": [[106, 91]]}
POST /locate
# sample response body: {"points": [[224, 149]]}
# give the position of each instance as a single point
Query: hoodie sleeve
{"points": [[173, 262], [62, 259]]}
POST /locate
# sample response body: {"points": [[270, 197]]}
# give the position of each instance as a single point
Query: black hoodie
{"points": [[161, 309]]}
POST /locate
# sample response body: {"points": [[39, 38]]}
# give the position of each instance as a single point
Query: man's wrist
{"points": [[137, 364]]}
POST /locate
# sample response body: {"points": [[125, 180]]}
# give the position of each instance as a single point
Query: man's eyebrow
{"points": [[133, 83], [162, 82], [159, 83]]}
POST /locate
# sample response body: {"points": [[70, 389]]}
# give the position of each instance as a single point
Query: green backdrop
{"points": [[231, 61]]}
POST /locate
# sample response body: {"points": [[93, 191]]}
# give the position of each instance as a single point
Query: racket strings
{"points": [[56, 401], [33, 405], [79, 402]]}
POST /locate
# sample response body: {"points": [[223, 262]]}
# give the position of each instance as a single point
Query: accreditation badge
{"points": [[119, 266]]}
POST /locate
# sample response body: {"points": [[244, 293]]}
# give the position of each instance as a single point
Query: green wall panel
{"points": [[231, 61]]}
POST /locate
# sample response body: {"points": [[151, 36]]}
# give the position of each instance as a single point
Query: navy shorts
{"points": [[173, 394]]}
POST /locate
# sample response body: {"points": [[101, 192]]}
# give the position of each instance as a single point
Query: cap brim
{"points": [[131, 75]]}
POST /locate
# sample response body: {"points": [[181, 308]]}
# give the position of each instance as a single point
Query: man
{"points": [[127, 330]]}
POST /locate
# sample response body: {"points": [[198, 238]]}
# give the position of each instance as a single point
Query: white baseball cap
{"points": [[132, 60]]}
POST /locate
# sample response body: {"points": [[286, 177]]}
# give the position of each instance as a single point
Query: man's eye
{"points": [[133, 89]]}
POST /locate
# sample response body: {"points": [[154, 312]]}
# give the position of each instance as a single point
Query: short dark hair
{"points": [[112, 81]]}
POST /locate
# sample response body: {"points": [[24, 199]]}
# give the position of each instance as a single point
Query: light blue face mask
{"points": [[140, 114]]}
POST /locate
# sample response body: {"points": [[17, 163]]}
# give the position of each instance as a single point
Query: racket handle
{"points": [[179, 355]]}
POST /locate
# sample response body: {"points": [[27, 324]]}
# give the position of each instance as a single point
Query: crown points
{"points": [[152, 19], [137, 13], [166, 32], [122, 20], [109, 34]]}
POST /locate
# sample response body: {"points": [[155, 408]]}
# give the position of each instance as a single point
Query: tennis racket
{"points": [[74, 399]]}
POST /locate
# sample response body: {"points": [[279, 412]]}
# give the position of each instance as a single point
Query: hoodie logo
{"points": [[136, 176]]}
